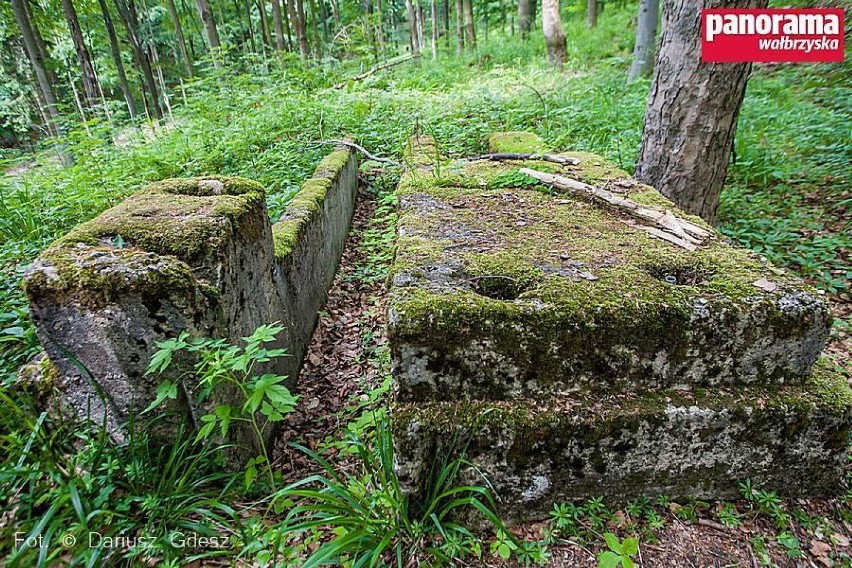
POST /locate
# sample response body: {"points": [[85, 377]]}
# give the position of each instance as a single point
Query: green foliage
{"points": [[262, 399], [364, 518], [619, 552]]}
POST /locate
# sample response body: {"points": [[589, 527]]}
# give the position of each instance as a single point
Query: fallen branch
{"points": [[377, 68], [660, 224], [358, 147], [562, 160]]}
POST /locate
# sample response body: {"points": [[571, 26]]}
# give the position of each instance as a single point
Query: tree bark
{"points": [[469, 29], [264, 23], [131, 24], [294, 8], [525, 17], [84, 58], [445, 13], [591, 13], [411, 15], [210, 31], [459, 27], [692, 112], [554, 37], [646, 34], [312, 6], [187, 62], [278, 25], [39, 65], [115, 50], [434, 29]]}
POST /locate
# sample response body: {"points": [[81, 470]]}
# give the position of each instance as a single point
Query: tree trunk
{"points": [[412, 26], [445, 8], [28, 32], [264, 23], [591, 13], [434, 29], [646, 33], [469, 30], [187, 62], [84, 58], [278, 25], [692, 112], [210, 31], [459, 27], [285, 19], [554, 37], [115, 49], [525, 17], [312, 6], [294, 8], [131, 24]]}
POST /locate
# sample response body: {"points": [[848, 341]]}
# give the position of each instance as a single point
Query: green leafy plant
{"points": [[364, 518], [619, 552], [262, 399]]}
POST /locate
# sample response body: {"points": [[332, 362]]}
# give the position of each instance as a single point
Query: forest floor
{"points": [[345, 375]]}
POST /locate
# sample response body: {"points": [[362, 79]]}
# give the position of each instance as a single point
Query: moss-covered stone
{"points": [[308, 202], [504, 290], [677, 443], [515, 143]]}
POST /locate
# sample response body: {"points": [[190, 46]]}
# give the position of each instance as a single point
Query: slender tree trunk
{"points": [[459, 27], [187, 62], [525, 17], [323, 12], [264, 23], [131, 24], [692, 112], [277, 25], [84, 58], [312, 6], [115, 50], [294, 8], [421, 37], [434, 29], [28, 32], [445, 25], [469, 29], [285, 19], [554, 37], [210, 31], [591, 12], [646, 33], [412, 26]]}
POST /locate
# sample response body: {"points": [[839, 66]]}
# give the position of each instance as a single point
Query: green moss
{"points": [[307, 203], [515, 143], [206, 186]]}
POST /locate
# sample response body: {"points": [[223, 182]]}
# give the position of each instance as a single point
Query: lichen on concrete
{"points": [[584, 357]]}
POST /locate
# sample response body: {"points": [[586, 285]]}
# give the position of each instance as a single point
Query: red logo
{"points": [[772, 36]]}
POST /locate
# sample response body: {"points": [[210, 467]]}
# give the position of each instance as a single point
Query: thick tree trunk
{"points": [[469, 29], [554, 37], [525, 17], [187, 62], [459, 27], [646, 34], [210, 31], [692, 112], [131, 24], [115, 50], [84, 58], [591, 13], [43, 76]]}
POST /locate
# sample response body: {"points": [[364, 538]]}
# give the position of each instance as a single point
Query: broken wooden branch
{"points": [[360, 148], [562, 160], [660, 224], [377, 68]]}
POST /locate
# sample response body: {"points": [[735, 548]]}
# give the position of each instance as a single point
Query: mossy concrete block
{"points": [[791, 439], [309, 241], [503, 288], [180, 255]]}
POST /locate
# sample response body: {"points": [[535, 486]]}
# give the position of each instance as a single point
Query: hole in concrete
{"points": [[498, 287], [680, 275]]}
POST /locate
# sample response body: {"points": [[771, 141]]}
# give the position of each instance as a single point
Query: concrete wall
{"points": [[197, 255]]}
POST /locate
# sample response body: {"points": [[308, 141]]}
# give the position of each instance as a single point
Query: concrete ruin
{"points": [[571, 354], [197, 255]]}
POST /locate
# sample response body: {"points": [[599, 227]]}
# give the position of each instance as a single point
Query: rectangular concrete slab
{"points": [[790, 439], [503, 287]]}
